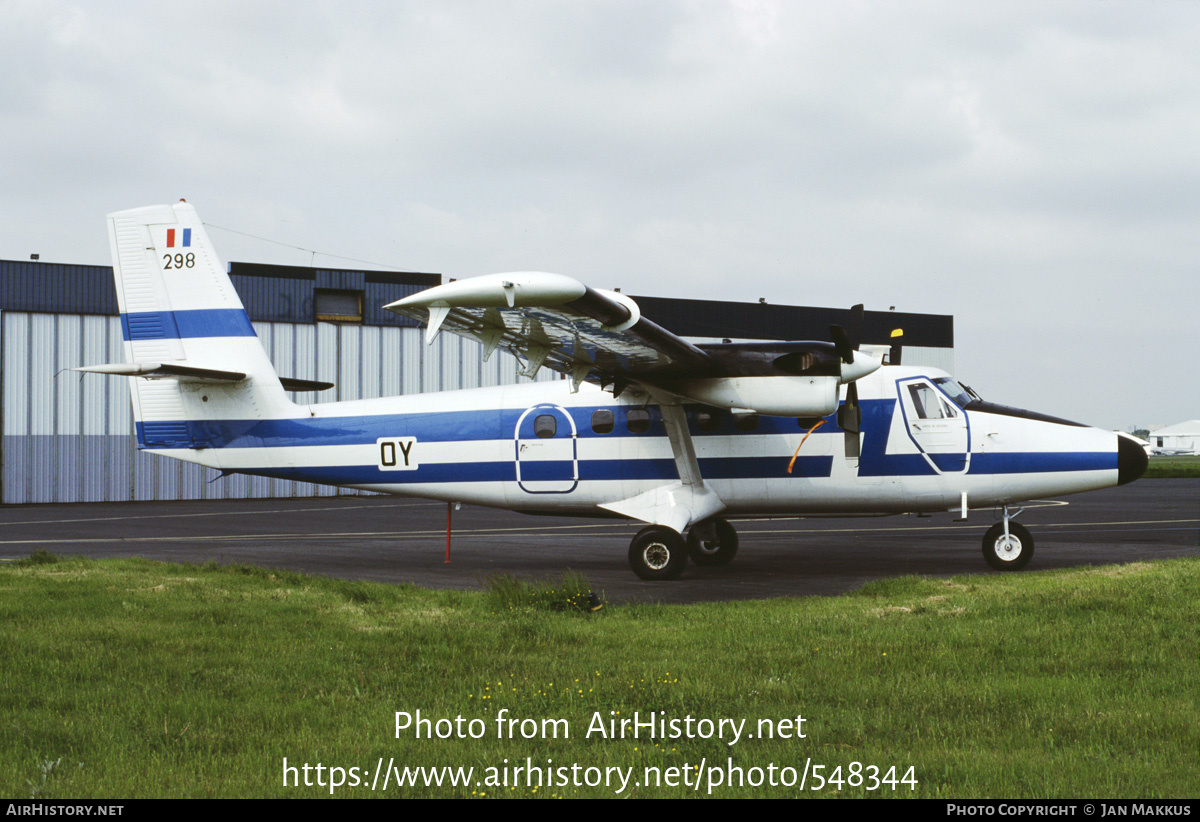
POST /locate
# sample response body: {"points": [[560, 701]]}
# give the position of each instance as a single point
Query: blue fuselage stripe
{"points": [[445, 426], [500, 425], [589, 471]]}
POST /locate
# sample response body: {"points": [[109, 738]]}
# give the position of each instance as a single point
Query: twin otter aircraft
{"points": [[647, 426]]}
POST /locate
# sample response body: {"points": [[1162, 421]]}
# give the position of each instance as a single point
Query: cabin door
{"points": [[547, 458], [936, 425]]}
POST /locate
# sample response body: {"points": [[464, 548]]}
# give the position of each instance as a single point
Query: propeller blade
{"points": [[847, 342], [850, 414], [857, 317], [850, 420], [841, 341]]}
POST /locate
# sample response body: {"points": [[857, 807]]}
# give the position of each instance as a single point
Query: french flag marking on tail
{"points": [[184, 242]]}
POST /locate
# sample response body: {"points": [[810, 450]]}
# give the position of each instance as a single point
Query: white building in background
{"points": [[1183, 438]]}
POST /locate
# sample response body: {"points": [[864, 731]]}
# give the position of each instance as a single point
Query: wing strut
{"points": [[679, 504]]}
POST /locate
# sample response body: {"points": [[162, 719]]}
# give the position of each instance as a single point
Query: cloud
{"points": [[1027, 167]]}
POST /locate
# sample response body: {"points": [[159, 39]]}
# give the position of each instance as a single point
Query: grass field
{"points": [[130, 678], [1173, 467]]}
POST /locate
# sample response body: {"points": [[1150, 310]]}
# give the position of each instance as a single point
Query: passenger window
{"points": [[545, 426], [746, 422], [638, 420], [925, 401], [708, 421], [603, 421]]}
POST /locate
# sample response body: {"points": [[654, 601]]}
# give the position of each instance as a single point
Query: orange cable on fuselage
{"points": [[801, 445]]}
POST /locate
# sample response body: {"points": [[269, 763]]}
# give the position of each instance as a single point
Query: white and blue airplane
{"points": [[646, 425]]}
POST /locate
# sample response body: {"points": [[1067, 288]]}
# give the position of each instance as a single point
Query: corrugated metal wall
{"points": [[68, 437]]}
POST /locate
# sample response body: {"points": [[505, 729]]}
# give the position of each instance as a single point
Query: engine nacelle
{"points": [[772, 396]]}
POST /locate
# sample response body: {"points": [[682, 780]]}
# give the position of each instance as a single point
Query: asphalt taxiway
{"points": [[401, 540]]}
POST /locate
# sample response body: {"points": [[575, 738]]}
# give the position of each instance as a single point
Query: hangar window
{"points": [[603, 421], [638, 420], [332, 306], [545, 426]]}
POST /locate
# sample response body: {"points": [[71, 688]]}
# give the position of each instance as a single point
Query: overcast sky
{"points": [[1031, 168]]}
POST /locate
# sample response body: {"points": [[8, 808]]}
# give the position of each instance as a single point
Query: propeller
{"points": [[849, 415]]}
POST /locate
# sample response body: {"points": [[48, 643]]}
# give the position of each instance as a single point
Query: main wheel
{"points": [[719, 547], [1011, 553], [658, 552]]}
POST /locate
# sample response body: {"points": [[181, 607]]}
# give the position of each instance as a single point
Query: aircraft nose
{"points": [[1131, 460]]}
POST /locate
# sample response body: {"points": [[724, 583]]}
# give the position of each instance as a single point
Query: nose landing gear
{"points": [[1007, 545]]}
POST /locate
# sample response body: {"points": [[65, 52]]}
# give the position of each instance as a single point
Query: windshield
{"points": [[955, 390]]}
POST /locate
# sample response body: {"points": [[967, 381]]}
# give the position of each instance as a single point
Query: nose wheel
{"points": [[1007, 546]]}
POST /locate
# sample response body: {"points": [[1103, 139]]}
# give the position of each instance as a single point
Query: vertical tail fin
{"points": [[180, 310]]}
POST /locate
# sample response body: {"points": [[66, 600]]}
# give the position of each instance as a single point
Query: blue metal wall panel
{"points": [[57, 287], [275, 299], [12, 467], [273, 294], [342, 280], [67, 437], [93, 468], [378, 295]]}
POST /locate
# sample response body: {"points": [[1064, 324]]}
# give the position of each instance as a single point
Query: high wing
{"points": [[560, 323], [557, 322], [553, 321]]}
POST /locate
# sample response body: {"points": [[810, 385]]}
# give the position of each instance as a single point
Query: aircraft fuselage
{"points": [[539, 447]]}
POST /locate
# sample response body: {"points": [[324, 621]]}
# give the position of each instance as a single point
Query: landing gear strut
{"points": [[1007, 545]]}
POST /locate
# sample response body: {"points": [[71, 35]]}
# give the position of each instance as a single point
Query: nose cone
{"points": [[1131, 459]]}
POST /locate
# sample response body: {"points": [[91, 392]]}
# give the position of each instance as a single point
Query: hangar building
{"points": [[1183, 438], [68, 437]]}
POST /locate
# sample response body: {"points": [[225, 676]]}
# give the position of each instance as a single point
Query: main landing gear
{"points": [[659, 552], [1007, 545]]}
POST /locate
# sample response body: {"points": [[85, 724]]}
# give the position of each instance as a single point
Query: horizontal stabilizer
{"points": [[165, 371], [188, 373], [293, 384]]}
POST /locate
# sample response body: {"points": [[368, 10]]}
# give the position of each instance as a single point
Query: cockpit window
{"points": [[926, 401], [961, 395]]}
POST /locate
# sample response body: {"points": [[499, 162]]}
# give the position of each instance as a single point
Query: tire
{"points": [[720, 551], [658, 553], [1008, 557]]}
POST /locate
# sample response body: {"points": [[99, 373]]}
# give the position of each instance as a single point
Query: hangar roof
{"points": [[1188, 428]]}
